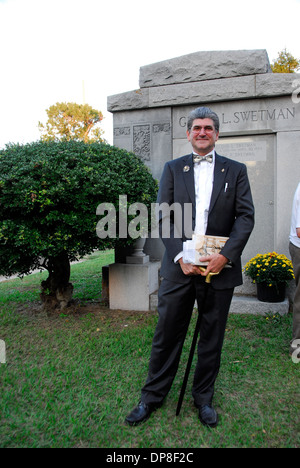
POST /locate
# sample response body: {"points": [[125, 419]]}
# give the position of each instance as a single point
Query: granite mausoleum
{"points": [[260, 125]]}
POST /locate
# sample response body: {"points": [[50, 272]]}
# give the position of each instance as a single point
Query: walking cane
{"points": [[193, 346]]}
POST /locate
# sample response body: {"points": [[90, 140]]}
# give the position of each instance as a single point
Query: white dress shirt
{"points": [[295, 224], [204, 180]]}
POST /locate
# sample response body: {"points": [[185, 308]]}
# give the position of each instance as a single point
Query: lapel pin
{"points": [[223, 170], [186, 168]]}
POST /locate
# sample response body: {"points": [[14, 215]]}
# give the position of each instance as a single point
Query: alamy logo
{"points": [[134, 221], [296, 353], [2, 352], [296, 92]]}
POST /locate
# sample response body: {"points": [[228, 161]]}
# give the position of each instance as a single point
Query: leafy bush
{"points": [[49, 193]]}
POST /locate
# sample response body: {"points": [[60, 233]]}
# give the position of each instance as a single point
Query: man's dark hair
{"points": [[203, 113]]}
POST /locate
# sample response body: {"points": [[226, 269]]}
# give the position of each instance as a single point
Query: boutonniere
{"points": [[186, 169]]}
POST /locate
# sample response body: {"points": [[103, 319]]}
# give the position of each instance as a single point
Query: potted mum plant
{"points": [[271, 273]]}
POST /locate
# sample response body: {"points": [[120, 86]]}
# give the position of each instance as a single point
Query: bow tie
{"points": [[198, 159]]}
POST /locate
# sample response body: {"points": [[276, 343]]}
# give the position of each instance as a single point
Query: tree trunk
{"points": [[56, 290]]}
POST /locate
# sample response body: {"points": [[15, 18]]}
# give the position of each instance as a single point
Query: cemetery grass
{"points": [[71, 378]]}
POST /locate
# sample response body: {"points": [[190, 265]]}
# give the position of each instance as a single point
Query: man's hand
{"points": [[216, 263], [188, 269]]}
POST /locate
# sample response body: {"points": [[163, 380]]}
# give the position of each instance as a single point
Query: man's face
{"points": [[203, 136]]}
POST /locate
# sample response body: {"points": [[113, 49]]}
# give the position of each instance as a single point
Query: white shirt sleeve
{"points": [[295, 224], [297, 209], [178, 257]]}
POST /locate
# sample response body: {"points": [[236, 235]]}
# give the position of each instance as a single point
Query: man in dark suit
{"points": [[218, 191]]}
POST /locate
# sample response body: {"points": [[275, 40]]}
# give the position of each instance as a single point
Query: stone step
{"points": [[244, 305], [251, 305]]}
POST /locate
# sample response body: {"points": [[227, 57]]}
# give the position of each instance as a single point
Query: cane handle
{"points": [[209, 276]]}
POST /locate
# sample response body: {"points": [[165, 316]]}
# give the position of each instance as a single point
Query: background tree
{"points": [[49, 194], [71, 121], [285, 63]]}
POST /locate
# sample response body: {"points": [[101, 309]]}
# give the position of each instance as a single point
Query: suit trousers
{"points": [[175, 308]]}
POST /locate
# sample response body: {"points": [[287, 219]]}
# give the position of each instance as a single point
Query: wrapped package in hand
{"points": [[202, 246]]}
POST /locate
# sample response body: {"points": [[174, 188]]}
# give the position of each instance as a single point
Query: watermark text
{"points": [[296, 352], [2, 352], [134, 221], [296, 92]]}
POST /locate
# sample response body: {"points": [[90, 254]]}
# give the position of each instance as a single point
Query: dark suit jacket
{"points": [[231, 214]]}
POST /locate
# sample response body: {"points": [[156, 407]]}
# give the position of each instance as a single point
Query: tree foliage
{"points": [[49, 193], [71, 121], [285, 63]]}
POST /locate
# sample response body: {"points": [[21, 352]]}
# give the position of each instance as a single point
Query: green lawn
{"points": [[70, 379]]}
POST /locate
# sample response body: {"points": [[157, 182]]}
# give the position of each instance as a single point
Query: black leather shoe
{"points": [[208, 416], [139, 414]]}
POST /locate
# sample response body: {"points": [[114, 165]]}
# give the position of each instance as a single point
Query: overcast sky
{"points": [[49, 48]]}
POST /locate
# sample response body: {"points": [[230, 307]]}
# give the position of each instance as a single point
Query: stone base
{"points": [[244, 305], [130, 285], [251, 305], [142, 260]]}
